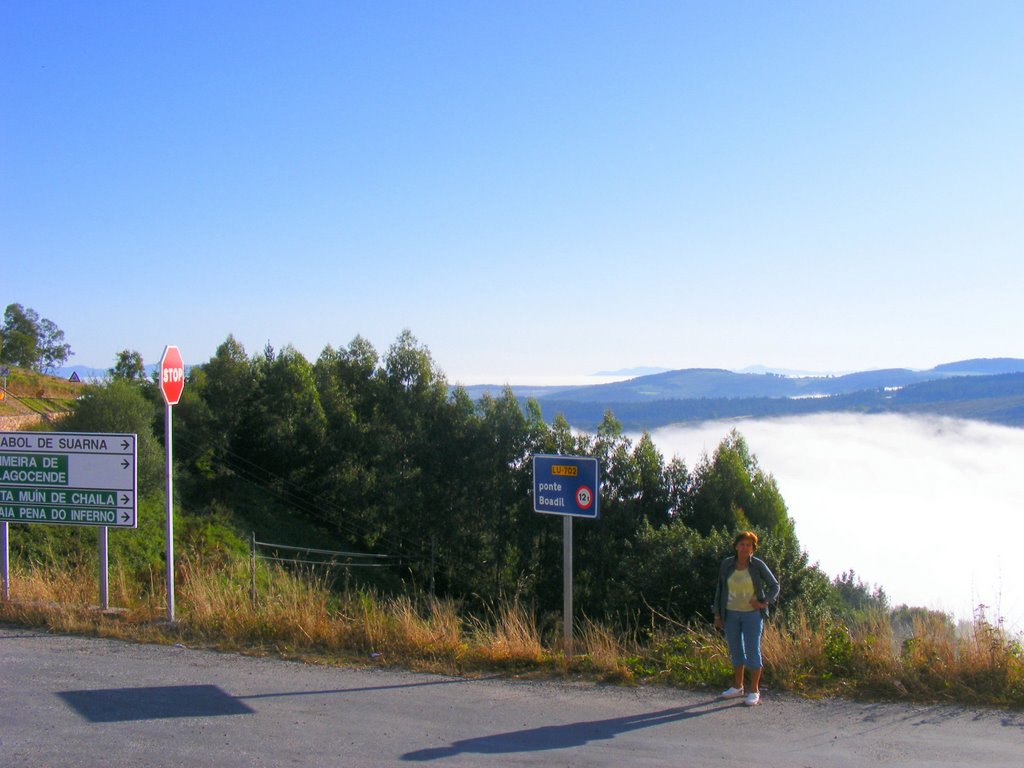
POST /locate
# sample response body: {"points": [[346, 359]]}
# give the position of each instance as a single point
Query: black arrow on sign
{"points": [[126, 517], [125, 464], [124, 498], [125, 444]]}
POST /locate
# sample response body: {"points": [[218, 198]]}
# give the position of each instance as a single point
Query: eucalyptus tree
{"points": [[29, 341], [731, 490], [210, 426], [409, 451], [284, 423], [53, 350], [348, 474], [507, 527], [633, 492], [129, 366]]}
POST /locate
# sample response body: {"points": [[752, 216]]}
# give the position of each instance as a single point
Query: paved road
{"points": [[82, 702]]}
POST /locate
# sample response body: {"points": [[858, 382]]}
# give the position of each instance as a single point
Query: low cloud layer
{"points": [[927, 507]]}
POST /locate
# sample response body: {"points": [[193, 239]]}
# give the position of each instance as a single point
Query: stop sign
{"points": [[172, 375]]}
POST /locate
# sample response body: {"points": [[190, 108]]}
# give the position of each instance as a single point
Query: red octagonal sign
{"points": [[172, 375]]}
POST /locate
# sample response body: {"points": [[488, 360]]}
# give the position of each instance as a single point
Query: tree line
{"points": [[376, 453]]}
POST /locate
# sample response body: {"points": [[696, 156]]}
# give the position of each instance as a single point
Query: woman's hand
{"points": [[759, 605], [719, 624]]}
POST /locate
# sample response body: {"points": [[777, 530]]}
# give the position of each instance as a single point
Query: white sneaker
{"points": [[732, 693], [753, 699]]}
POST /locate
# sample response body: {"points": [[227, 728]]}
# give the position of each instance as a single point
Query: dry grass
{"points": [[296, 615], [604, 653], [978, 664], [398, 630], [507, 638], [293, 612]]}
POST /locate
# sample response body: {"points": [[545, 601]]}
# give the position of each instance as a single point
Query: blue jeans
{"points": [[743, 634]]}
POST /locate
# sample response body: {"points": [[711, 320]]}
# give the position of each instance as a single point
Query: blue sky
{"points": [[537, 190]]}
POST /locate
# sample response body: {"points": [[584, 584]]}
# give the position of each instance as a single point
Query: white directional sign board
{"points": [[68, 478]]}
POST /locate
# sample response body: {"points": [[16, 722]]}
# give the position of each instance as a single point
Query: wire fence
{"points": [[310, 556]]}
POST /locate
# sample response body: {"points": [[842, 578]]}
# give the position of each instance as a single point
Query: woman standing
{"points": [[746, 587]]}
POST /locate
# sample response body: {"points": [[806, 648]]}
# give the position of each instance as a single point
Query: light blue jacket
{"points": [[766, 586]]}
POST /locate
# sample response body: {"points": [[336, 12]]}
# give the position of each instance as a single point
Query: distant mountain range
{"points": [[990, 389], [987, 389]]}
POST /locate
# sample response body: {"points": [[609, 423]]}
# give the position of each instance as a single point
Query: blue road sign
{"points": [[566, 485]]}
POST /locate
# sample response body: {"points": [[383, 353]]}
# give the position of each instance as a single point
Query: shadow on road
{"points": [[453, 681], [114, 705], [567, 735]]}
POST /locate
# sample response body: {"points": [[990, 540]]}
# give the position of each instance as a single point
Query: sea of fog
{"points": [[928, 508]]}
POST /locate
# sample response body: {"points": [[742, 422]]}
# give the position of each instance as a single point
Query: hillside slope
{"points": [[710, 382], [997, 399], [32, 397]]}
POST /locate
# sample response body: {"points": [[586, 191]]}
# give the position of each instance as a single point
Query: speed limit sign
{"points": [[584, 497]]}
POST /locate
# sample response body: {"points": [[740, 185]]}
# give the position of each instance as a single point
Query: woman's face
{"points": [[744, 549]]}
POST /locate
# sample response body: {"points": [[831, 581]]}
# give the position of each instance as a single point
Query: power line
{"points": [[254, 475]]}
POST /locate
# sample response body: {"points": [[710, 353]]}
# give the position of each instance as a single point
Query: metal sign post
{"points": [[567, 583], [172, 382], [5, 562], [104, 564], [168, 469], [567, 486]]}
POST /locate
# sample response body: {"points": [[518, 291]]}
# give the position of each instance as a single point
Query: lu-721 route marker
{"points": [[68, 478]]}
